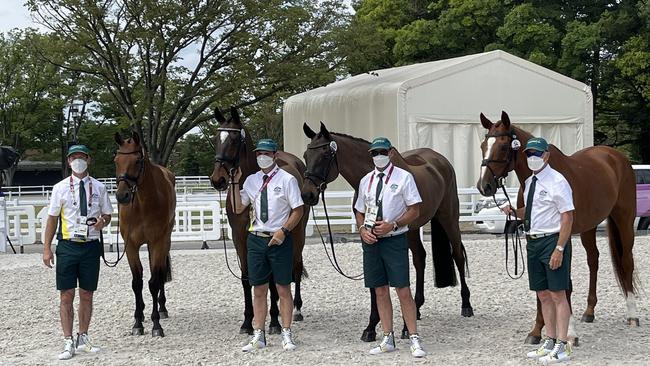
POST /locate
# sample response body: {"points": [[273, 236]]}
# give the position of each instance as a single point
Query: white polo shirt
{"points": [[65, 204], [283, 196], [553, 196], [400, 191]]}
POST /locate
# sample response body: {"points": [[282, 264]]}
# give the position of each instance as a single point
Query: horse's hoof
{"points": [[467, 312], [633, 321], [575, 342], [419, 316], [586, 318], [137, 331], [157, 333], [369, 335], [275, 329], [297, 317], [532, 339], [244, 330], [405, 334], [163, 314]]}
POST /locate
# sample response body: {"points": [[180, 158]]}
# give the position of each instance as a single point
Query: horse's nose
{"points": [[309, 198], [219, 184], [123, 197]]}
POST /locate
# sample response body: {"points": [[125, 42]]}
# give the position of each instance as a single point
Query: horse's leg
{"points": [[274, 325], [535, 335], [460, 258], [370, 334], [297, 297], [419, 262], [621, 242], [247, 325], [239, 241], [588, 239], [298, 267], [136, 284], [158, 251], [162, 299]]}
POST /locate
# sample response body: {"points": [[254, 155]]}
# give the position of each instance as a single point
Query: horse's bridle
{"points": [[320, 181], [131, 181], [220, 158], [511, 157]]}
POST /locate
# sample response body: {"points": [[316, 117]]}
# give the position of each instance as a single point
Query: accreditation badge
{"points": [[80, 230], [370, 217]]}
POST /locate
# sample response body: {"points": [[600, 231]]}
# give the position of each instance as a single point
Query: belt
{"points": [[262, 234], [81, 241], [539, 236]]}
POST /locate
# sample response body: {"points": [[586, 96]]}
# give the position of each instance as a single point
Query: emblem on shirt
{"points": [[543, 193], [277, 189], [393, 187]]}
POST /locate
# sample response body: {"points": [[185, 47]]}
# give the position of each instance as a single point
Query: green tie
{"points": [[83, 203], [529, 204], [380, 184], [264, 202]]}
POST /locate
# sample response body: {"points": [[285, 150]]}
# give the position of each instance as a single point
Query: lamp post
{"points": [[75, 113]]}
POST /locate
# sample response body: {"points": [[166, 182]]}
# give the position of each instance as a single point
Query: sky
{"points": [[13, 14]]}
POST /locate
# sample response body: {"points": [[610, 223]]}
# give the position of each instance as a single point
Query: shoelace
{"points": [[545, 345], [556, 350], [287, 337], [386, 341], [415, 342]]}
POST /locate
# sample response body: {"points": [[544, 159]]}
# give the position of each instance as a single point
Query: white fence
{"points": [[200, 215]]}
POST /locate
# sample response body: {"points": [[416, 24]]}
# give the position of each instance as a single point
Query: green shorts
{"points": [[540, 275], [77, 261], [386, 262], [264, 261]]}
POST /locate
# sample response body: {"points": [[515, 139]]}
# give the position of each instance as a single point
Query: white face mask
{"points": [[381, 161], [79, 166], [264, 161], [535, 163]]}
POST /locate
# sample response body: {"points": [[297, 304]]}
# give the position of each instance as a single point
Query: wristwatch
{"points": [[559, 248], [285, 231], [395, 226]]}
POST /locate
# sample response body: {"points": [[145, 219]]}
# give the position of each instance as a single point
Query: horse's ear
{"points": [[324, 132], [217, 114], [308, 131], [234, 114], [135, 137], [487, 124], [505, 120], [118, 139]]}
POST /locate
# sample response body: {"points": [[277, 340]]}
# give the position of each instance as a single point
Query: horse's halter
{"points": [[220, 158], [131, 181], [515, 145], [321, 184]]}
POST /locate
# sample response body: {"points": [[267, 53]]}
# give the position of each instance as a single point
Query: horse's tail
{"points": [[624, 271], [169, 269], [443, 263]]}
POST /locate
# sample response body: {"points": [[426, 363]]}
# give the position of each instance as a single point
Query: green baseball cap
{"points": [[78, 148], [380, 143], [537, 143], [266, 145]]}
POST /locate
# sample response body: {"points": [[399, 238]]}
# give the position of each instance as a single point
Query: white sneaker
{"points": [[258, 341], [84, 344], [560, 353], [416, 346], [68, 349], [387, 344], [544, 349], [287, 340]]}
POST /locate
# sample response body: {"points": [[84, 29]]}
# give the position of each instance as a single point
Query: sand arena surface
{"points": [[206, 309]]}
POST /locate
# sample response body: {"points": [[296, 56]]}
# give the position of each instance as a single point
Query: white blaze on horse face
{"points": [[488, 152], [223, 136]]}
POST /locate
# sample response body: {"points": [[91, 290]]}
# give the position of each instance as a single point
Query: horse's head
{"points": [[320, 158], [231, 140], [499, 150], [129, 166]]}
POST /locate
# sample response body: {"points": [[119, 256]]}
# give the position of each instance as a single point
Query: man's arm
{"points": [[566, 223], [384, 227], [366, 235], [238, 206], [48, 236]]}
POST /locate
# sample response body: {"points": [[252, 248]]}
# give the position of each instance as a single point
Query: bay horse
{"points": [[436, 182], [234, 149], [147, 207], [604, 187]]}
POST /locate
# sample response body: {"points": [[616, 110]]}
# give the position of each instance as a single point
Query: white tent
{"points": [[437, 105]]}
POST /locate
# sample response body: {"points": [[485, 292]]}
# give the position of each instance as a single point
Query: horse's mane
{"points": [[350, 137]]}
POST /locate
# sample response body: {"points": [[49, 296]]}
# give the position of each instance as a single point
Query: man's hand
{"points": [[556, 260], [507, 209], [278, 238], [100, 224], [48, 257], [367, 236], [382, 227], [237, 175]]}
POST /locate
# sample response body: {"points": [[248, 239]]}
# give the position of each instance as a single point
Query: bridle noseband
{"points": [[221, 159], [320, 181], [131, 181], [510, 158]]}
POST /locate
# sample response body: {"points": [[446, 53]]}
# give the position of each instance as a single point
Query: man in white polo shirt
{"points": [[277, 209], [80, 206], [548, 218], [388, 202]]}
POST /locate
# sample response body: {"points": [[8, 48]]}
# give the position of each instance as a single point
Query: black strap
{"points": [[516, 242]]}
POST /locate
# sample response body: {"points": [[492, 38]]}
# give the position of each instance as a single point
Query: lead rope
{"points": [[223, 237], [516, 241], [117, 243]]}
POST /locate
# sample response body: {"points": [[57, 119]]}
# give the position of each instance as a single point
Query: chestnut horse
{"points": [[147, 207], [604, 187], [436, 182], [234, 149]]}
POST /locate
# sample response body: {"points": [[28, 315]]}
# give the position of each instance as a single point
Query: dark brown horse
{"points": [[234, 148], [436, 182], [604, 187], [147, 206]]}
